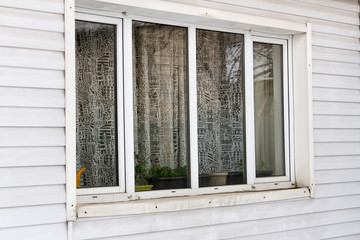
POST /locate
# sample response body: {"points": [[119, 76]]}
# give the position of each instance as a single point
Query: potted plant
{"points": [[263, 172], [217, 178], [168, 178], [141, 174], [237, 176]]}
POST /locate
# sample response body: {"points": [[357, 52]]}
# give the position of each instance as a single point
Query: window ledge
{"points": [[187, 203]]}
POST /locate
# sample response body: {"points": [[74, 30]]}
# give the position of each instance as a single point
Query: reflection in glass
{"points": [[160, 105], [96, 104], [220, 93], [268, 97]]}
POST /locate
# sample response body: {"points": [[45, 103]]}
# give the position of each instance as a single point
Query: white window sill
{"points": [[187, 203]]}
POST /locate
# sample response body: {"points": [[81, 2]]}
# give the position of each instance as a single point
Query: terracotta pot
{"points": [[217, 179]]}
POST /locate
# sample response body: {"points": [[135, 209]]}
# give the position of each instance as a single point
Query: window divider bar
{"points": [[120, 107], [286, 109], [194, 166], [291, 111], [128, 106], [249, 109]]}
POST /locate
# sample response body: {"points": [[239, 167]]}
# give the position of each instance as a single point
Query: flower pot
{"points": [[217, 179], [143, 188], [203, 180], [169, 182], [235, 178], [264, 173]]}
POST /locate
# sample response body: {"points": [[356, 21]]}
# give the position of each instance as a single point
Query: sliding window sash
{"points": [[286, 110], [119, 105]]}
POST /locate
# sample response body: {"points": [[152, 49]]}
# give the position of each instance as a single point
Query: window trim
{"points": [[187, 202], [302, 131]]}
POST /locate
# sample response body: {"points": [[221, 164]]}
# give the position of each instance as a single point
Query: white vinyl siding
{"points": [[32, 143], [32, 122], [334, 212]]}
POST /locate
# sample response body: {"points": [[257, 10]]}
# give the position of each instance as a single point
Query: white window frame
{"points": [[287, 109], [299, 42], [119, 103], [110, 193]]}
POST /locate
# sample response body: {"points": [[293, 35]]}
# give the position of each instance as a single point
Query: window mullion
{"points": [[120, 106], [194, 167], [128, 106], [249, 109], [291, 112], [286, 110]]}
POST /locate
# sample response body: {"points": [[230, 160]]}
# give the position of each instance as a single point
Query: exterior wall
{"points": [[335, 210], [32, 142], [32, 153]]}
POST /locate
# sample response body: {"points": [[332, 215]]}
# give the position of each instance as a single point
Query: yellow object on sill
{"points": [[143, 187], [78, 174]]}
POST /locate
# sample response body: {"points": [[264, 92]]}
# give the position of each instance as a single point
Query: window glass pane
{"points": [[160, 106], [96, 104], [269, 123], [220, 92]]}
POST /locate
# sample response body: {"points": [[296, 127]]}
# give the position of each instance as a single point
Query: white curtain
{"points": [[160, 94], [220, 101], [269, 150]]}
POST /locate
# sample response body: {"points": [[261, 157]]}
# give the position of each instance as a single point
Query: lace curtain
{"points": [[96, 104], [268, 107], [160, 94], [220, 101]]}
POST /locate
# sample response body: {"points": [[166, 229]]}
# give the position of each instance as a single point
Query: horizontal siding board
{"points": [[25, 38], [90, 228], [337, 176], [333, 41], [32, 196], [348, 237], [337, 189], [336, 55], [336, 95], [34, 215], [31, 58], [340, 122], [32, 176], [19, 18], [336, 108], [57, 231], [31, 156], [260, 10], [337, 135], [337, 162], [333, 81], [34, 78], [347, 5], [336, 149], [32, 117], [336, 68], [53, 6], [292, 8], [32, 97], [321, 232], [27, 137], [338, 29], [247, 228]]}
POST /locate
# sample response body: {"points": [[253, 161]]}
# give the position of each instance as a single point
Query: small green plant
{"points": [[158, 172], [141, 173], [263, 165]]}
